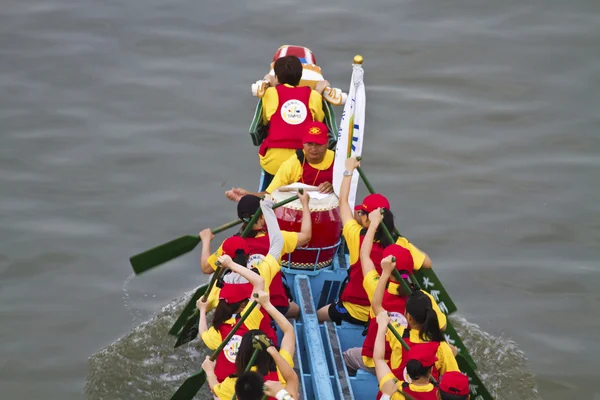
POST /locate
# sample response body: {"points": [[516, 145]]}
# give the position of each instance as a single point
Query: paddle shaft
{"points": [[213, 280]]}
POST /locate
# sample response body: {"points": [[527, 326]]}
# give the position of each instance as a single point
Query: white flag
{"points": [[350, 136]]}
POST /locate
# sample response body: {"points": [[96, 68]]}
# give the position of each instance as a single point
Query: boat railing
{"points": [[287, 265]]}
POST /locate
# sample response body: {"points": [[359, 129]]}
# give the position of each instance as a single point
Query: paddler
{"points": [[421, 360], [312, 165], [287, 111], [354, 305], [233, 302], [394, 296], [258, 247], [271, 364]]}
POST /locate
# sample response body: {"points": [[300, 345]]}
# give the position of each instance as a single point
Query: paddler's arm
{"points": [[287, 372], [345, 211], [275, 237], [202, 324], [258, 283], [367, 245], [305, 233], [386, 270], [209, 367], [382, 369], [288, 342], [427, 261], [206, 236]]}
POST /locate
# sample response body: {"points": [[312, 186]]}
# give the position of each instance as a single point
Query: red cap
{"points": [[316, 133], [404, 260], [231, 245], [375, 201], [358, 207], [424, 353], [235, 292], [455, 382]]}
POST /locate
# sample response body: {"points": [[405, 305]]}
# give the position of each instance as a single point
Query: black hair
{"points": [[224, 311], [416, 370], [380, 236], [401, 291], [264, 362], [288, 70], [249, 386], [419, 306], [448, 396]]}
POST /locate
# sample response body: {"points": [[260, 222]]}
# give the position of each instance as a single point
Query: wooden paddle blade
{"points": [[161, 254], [190, 387], [189, 331], [188, 310]]}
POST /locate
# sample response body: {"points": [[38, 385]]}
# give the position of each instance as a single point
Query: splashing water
{"points": [[144, 364]]}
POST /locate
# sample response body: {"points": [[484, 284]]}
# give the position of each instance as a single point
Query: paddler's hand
{"points": [[321, 85], [383, 318], [263, 298], [304, 198], [235, 194], [262, 342], [208, 365], [387, 265], [271, 388], [325, 187], [376, 216], [352, 163], [271, 79], [206, 235], [202, 305], [225, 260]]}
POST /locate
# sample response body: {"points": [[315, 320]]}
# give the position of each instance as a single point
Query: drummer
{"points": [[258, 245], [313, 165]]}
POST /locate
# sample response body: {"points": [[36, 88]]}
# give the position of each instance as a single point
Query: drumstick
{"points": [[294, 189]]}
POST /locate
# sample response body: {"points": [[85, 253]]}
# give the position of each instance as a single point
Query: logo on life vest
{"points": [[254, 260], [232, 347], [399, 318], [293, 112]]}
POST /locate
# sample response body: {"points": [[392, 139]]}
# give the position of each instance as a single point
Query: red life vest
{"points": [[225, 363], [354, 291], [311, 175], [289, 123], [396, 306], [431, 395], [400, 371], [259, 248]]}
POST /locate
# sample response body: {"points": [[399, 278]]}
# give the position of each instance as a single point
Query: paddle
{"points": [[191, 385], [190, 329], [158, 255], [190, 312]]}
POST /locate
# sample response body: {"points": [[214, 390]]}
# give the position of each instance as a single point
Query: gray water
{"points": [[124, 122]]}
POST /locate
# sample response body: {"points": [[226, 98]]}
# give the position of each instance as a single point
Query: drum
{"points": [[326, 229]]}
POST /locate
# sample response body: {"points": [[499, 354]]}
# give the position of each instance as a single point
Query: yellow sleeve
{"points": [[442, 320], [213, 298], [446, 361], [370, 283], [315, 103], [212, 259], [386, 378], [270, 102], [288, 358], [290, 241], [212, 338], [396, 346], [289, 172], [268, 268], [351, 233], [397, 396], [226, 389], [417, 255], [255, 317]]}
